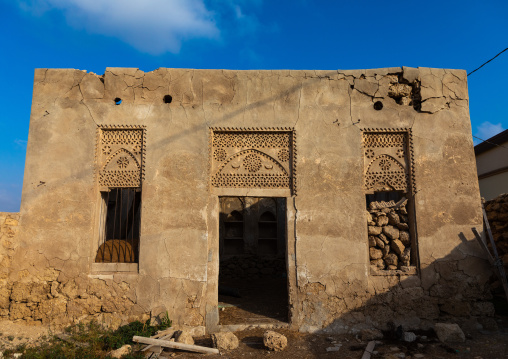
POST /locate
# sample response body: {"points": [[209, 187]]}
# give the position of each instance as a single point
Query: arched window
{"points": [[233, 226], [267, 233]]}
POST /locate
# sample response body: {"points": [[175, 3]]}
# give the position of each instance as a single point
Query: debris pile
{"points": [[389, 235]]}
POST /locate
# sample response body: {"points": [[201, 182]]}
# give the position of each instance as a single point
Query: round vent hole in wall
{"points": [[168, 99], [118, 101], [378, 105]]}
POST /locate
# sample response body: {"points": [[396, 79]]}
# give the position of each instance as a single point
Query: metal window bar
{"points": [[119, 223]]}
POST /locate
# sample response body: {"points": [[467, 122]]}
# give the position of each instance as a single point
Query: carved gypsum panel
{"points": [[252, 158], [388, 160], [119, 156]]}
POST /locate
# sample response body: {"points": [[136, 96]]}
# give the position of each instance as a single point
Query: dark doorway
{"points": [[252, 274]]}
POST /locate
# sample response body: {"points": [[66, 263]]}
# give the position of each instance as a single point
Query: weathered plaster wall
{"points": [[328, 262]]}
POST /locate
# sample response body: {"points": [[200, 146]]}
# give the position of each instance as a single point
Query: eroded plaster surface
{"points": [[331, 287]]}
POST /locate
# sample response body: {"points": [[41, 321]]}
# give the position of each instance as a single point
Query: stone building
{"points": [[492, 165], [327, 200]]}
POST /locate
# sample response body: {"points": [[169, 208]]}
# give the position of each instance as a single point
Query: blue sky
{"points": [[257, 34]]}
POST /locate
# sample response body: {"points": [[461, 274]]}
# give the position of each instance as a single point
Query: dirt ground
{"points": [[13, 334], [264, 301], [478, 345], [261, 301], [485, 345]]}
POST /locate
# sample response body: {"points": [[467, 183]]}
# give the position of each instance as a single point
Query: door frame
{"points": [[212, 284]]}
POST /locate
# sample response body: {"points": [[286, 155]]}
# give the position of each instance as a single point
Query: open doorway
{"points": [[253, 285]]}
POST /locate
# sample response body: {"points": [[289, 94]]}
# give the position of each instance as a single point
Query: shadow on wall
{"points": [[453, 289], [451, 286], [305, 82], [84, 173]]}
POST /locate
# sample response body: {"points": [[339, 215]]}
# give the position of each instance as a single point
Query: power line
{"points": [[492, 143], [487, 62]]}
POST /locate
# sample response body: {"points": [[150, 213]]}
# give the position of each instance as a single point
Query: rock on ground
{"points": [[409, 337], [124, 350], [184, 337], [225, 341], [274, 341], [449, 332]]}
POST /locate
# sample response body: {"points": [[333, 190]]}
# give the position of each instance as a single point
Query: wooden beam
{"points": [[163, 333], [174, 345], [483, 245], [496, 262], [489, 232], [499, 261], [368, 351], [165, 337]]}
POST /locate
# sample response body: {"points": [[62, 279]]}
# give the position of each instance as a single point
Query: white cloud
{"points": [[152, 26], [486, 130], [20, 143]]}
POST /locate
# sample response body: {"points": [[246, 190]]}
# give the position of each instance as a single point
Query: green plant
{"points": [[89, 341], [165, 321], [10, 337]]}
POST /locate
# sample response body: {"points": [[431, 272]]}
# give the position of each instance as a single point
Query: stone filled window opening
{"points": [[392, 243], [119, 227]]}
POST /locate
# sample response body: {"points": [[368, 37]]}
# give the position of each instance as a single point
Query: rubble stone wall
{"points": [[497, 213], [53, 298], [322, 116]]}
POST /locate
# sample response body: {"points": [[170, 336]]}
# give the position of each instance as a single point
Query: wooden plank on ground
{"points": [[174, 345], [164, 332], [368, 351], [166, 337]]}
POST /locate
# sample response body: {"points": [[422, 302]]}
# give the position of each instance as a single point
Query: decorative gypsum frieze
{"points": [[260, 145], [408, 153], [136, 155]]}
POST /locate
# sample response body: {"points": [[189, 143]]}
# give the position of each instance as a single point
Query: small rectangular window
{"points": [[119, 227]]}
